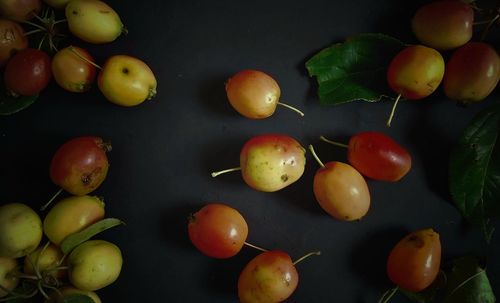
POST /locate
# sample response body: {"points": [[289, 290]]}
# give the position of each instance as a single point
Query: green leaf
{"points": [[468, 283], [10, 105], [355, 69], [475, 170], [77, 298], [72, 241]]}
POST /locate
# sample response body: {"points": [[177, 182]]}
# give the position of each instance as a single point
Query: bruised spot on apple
{"points": [[126, 81]]}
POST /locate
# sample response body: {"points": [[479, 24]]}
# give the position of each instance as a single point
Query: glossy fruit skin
{"points": [[378, 156], [341, 191], [218, 230], [72, 72], [7, 265], [28, 72], [271, 162], [71, 215], [58, 4], [66, 291], [47, 259], [12, 39], [416, 72], [269, 277], [94, 264], [93, 21], [253, 94], [414, 262], [126, 81], [20, 230], [20, 10], [80, 165], [472, 73], [444, 25]]}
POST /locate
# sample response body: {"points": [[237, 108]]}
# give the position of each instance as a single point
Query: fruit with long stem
{"points": [[71, 71], [414, 73], [270, 162], [340, 190], [269, 277], [254, 94], [376, 155]]}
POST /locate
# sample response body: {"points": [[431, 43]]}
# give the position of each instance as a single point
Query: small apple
{"points": [[72, 69], [94, 264], [341, 190], [7, 265], [45, 260], [20, 10], [67, 291], [20, 230], [93, 21], [270, 162], [254, 94], [12, 39], [72, 215], [126, 81]]}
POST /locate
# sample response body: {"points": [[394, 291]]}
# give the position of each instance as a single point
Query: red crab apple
{"points": [[270, 162]]}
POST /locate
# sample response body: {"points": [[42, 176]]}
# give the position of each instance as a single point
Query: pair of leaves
{"points": [[464, 282], [355, 69], [474, 171]]}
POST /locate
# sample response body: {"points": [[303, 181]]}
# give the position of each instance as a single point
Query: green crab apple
{"points": [[20, 230], [270, 162], [45, 259], [126, 81], [72, 215], [93, 21], [64, 293], [254, 94], [7, 281], [94, 264], [341, 190]]}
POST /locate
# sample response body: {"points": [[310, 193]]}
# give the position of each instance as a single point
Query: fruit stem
{"points": [[490, 24], [311, 148], [216, 173], [40, 288], [388, 295], [388, 123], [41, 42], [333, 142], [60, 21], [35, 25], [72, 48], [314, 253], [51, 199], [256, 247], [466, 281], [33, 32], [292, 108]]}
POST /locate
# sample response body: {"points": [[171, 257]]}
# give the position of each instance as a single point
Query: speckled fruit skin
{"points": [[94, 264], [253, 94], [341, 191], [20, 230], [7, 265], [269, 277], [414, 262], [416, 72], [271, 162]]}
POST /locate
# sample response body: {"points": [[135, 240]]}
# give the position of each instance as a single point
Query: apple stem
{"points": [[35, 25], [292, 108], [33, 32], [333, 142], [72, 48], [42, 291], [51, 199], [388, 123], [311, 148], [388, 295], [490, 24], [216, 173], [314, 253], [41, 42], [256, 247]]}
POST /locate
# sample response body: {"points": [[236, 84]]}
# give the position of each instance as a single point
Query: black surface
{"points": [[164, 151]]}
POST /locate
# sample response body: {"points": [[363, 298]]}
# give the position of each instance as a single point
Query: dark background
{"points": [[164, 150]]}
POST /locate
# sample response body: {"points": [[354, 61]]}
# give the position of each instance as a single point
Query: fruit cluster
{"points": [[471, 73], [123, 79], [69, 265]]}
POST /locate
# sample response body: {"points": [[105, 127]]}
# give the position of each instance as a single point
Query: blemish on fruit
{"points": [[284, 177]]}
